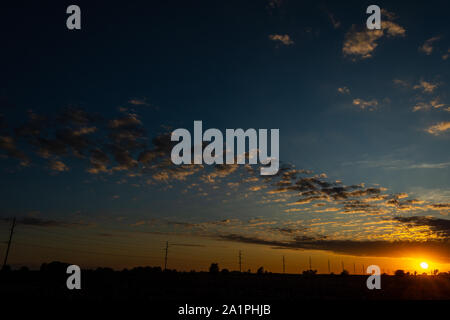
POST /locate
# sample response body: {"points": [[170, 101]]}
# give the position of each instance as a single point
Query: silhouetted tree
{"points": [[344, 273], [260, 270], [399, 273], [24, 269], [309, 272], [6, 268], [55, 267], [225, 271], [214, 268]]}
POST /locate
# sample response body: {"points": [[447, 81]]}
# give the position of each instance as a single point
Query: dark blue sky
{"points": [[377, 116]]}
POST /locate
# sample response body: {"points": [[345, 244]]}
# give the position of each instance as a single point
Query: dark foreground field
{"points": [[152, 284]]}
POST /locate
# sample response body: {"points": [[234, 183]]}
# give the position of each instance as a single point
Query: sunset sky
{"points": [[364, 120]]}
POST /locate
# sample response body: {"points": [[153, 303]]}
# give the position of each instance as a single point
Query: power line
{"points": [[83, 251], [84, 240], [9, 241]]}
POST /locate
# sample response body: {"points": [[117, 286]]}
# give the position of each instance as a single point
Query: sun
{"points": [[424, 265]]}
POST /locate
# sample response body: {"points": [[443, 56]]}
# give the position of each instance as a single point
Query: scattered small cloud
{"points": [[343, 90], [285, 39], [439, 128], [425, 86], [432, 104], [439, 226], [58, 166], [427, 47], [336, 23], [446, 55], [272, 4], [400, 83], [361, 43], [365, 105]]}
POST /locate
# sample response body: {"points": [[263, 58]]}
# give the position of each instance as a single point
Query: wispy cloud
{"points": [[439, 128], [446, 55], [439, 226], [425, 86], [335, 22], [365, 105], [398, 164], [58, 166], [343, 90], [427, 46], [39, 222], [366, 248]]}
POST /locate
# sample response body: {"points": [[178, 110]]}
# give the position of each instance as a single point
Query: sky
{"points": [[364, 119]]}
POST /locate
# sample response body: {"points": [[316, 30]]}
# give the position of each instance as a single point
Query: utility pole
{"points": [[165, 259], [329, 269], [9, 242], [284, 266], [240, 261]]}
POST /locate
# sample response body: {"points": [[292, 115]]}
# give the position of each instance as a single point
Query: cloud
{"points": [[8, 144], [58, 166], [336, 23], [427, 47], [438, 128], [187, 245], [426, 87], [138, 102], [129, 120], [121, 144], [446, 55], [363, 105], [274, 4], [98, 161], [379, 248], [433, 104], [360, 44], [439, 226], [400, 82], [343, 90], [441, 165], [283, 38], [33, 221]]}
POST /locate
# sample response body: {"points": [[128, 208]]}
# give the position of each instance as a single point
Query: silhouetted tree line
{"points": [[59, 268]]}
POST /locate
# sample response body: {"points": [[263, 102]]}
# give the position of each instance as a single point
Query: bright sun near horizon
{"points": [[424, 265]]}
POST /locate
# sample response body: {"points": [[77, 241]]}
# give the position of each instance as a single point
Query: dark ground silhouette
{"points": [[151, 283]]}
